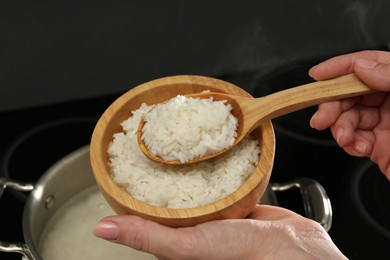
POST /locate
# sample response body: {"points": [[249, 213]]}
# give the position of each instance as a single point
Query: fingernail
{"points": [[312, 119], [367, 64], [106, 230], [360, 147], [339, 134], [311, 71]]}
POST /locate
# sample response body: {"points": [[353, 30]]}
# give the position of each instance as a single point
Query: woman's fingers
{"points": [[138, 233], [374, 74], [350, 134], [334, 67], [329, 112], [326, 115], [179, 243], [268, 232], [344, 64], [271, 213]]}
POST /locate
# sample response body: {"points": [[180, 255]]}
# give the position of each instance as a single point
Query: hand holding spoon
{"points": [[251, 112]]}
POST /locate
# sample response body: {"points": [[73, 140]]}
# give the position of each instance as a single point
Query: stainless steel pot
{"points": [[73, 174]]}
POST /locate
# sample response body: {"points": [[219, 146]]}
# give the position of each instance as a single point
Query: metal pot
{"points": [[73, 174]]}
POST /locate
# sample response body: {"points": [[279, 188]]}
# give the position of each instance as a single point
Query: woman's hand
{"points": [[360, 125], [268, 233]]}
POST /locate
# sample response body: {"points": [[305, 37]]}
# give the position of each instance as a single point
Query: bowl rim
{"points": [[113, 191]]}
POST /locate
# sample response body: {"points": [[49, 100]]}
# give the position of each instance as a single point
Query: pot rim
{"points": [[35, 198]]}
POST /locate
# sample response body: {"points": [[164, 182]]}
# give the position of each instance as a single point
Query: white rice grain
{"points": [[185, 128], [177, 186]]}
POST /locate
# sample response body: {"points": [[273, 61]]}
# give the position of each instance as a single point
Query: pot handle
{"points": [[316, 202], [4, 183], [16, 247]]}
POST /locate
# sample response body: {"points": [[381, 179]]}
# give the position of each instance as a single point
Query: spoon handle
{"points": [[290, 100]]}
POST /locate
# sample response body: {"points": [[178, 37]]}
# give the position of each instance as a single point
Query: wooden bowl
{"points": [[236, 205]]}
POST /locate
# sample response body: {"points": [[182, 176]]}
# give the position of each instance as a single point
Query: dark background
{"points": [[54, 51], [63, 62]]}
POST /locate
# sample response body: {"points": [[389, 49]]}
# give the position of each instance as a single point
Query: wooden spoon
{"points": [[251, 112]]}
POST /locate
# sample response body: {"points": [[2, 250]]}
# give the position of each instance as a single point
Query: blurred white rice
{"points": [[68, 234], [185, 128], [177, 186]]}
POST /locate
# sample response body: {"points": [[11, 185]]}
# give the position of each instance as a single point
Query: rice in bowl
{"points": [[172, 186]]}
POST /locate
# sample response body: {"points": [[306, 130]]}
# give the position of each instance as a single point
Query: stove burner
{"points": [[370, 192], [51, 141]]}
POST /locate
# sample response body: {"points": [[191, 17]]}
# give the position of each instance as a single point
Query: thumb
{"points": [[375, 75], [140, 234]]}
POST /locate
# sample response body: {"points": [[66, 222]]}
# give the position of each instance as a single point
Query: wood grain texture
{"points": [[236, 205], [256, 111], [252, 112]]}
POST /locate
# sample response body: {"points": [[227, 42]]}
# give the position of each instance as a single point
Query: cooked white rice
{"points": [[185, 128], [177, 186], [68, 236]]}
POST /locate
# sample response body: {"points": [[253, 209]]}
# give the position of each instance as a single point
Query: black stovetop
{"points": [[300, 152], [34, 139]]}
